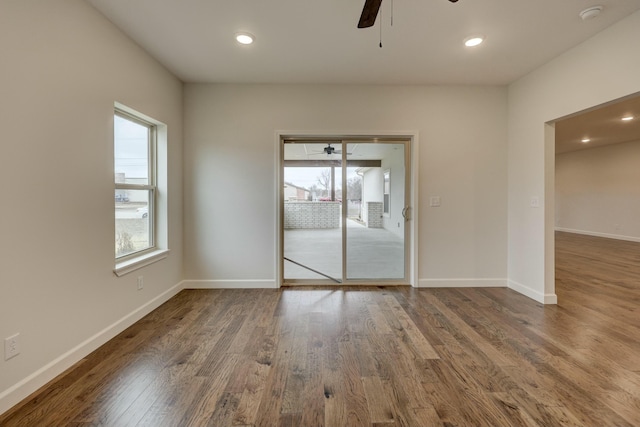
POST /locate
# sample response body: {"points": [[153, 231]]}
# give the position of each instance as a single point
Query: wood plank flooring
{"points": [[369, 356]]}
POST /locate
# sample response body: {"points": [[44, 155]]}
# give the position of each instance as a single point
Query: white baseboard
{"points": [[16, 393], [230, 284], [533, 294], [462, 283], [598, 234], [489, 283]]}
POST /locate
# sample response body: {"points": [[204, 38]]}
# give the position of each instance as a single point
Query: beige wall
{"points": [[603, 68], [231, 150], [597, 191], [63, 67]]}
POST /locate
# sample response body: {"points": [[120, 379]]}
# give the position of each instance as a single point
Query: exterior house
{"points": [[293, 192]]}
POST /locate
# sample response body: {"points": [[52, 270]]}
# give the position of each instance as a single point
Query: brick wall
{"points": [[374, 214], [312, 215]]}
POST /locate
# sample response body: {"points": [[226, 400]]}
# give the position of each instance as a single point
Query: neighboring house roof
{"points": [[288, 184]]}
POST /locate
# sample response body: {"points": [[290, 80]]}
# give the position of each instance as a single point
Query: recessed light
{"points": [[585, 140], [627, 118], [473, 41], [244, 38]]}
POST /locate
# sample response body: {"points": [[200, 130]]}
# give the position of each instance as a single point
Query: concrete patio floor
{"points": [[372, 253]]}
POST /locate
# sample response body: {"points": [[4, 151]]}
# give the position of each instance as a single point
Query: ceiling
{"points": [[602, 125], [318, 42], [304, 41]]}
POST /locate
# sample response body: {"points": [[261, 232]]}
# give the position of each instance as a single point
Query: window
{"points": [[386, 188], [135, 185]]}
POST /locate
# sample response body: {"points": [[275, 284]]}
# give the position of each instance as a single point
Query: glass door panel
{"points": [[375, 210], [312, 211]]}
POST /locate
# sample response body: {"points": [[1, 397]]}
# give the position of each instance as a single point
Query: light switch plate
{"points": [[534, 202]]}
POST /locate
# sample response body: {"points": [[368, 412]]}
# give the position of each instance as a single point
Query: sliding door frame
{"points": [[411, 199]]}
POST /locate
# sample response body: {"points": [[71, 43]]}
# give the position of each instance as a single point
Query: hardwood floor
{"points": [[371, 356]]}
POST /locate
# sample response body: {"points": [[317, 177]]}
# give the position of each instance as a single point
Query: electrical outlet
{"points": [[140, 282], [11, 346]]}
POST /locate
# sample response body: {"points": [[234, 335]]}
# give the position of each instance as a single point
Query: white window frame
{"points": [[157, 186]]}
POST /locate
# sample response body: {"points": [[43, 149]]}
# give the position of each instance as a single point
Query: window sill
{"points": [[134, 264]]}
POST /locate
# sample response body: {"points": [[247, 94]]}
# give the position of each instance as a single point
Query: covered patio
{"points": [[372, 253]]}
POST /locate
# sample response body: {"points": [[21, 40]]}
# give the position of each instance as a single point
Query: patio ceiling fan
{"points": [[370, 12], [328, 150]]}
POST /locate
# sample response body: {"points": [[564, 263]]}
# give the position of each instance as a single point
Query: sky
{"points": [[306, 177], [130, 148]]}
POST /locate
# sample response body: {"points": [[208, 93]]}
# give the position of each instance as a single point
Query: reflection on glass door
{"points": [[312, 211], [376, 214]]}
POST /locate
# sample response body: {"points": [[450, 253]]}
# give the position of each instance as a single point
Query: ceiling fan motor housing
{"points": [[370, 12]]}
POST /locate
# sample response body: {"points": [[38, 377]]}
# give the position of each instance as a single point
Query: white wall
{"points": [[63, 67], [394, 163], [372, 181], [231, 150], [597, 191], [599, 70]]}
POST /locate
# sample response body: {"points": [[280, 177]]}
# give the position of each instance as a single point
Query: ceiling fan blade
{"points": [[369, 13]]}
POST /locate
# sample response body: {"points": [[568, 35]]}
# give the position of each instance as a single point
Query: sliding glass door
{"points": [[375, 220], [344, 209], [312, 210]]}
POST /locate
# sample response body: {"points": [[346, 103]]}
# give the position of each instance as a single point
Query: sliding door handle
{"points": [[405, 212]]}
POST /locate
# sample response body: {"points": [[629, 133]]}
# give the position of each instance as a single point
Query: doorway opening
{"points": [[593, 156], [344, 210]]}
